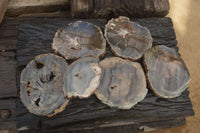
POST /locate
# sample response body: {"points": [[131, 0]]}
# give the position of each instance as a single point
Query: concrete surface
{"points": [[186, 18]]}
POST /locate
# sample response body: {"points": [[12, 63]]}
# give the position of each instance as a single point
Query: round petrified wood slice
{"points": [[167, 74], [122, 84], [82, 77], [127, 39], [41, 85], [79, 39]]}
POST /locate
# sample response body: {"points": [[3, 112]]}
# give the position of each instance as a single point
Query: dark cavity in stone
{"points": [[39, 65], [37, 102]]}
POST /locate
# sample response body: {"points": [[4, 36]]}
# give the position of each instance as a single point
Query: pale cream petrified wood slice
{"points": [[41, 85], [82, 77], [122, 84], [127, 39], [79, 39], [167, 73]]}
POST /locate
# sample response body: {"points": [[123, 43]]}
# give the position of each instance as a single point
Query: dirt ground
{"points": [[186, 18]]}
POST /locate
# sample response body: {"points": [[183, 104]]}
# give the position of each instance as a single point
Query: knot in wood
{"points": [[5, 114]]}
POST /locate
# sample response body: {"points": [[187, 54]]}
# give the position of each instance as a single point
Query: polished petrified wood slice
{"points": [[167, 74], [41, 85], [79, 39], [127, 39], [82, 77], [123, 83]]}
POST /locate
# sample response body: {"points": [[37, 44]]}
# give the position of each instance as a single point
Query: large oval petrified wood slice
{"points": [[167, 74], [82, 77], [79, 39], [41, 85], [127, 39], [122, 84]]}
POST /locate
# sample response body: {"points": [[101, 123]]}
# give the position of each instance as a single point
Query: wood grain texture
{"points": [[90, 113], [115, 8], [3, 8], [8, 37], [8, 75], [128, 126], [7, 113], [18, 7]]}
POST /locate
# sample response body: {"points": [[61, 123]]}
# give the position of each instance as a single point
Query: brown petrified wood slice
{"points": [[127, 39], [122, 84], [41, 85], [167, 74], [82, 78], [79, 39]]}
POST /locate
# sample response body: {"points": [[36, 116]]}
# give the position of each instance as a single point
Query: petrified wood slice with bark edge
{"points": [[114, 8], [82, 77], [127, 39], [79, 39], [89, 113], [167, 73], [122, 84], [41, 85]]}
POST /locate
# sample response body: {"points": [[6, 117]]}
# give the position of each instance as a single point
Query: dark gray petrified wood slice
{"points": [[41, 85], [114, 8], [167, 74], [127, 39], [123, 83], [90, 115], [79, 39], [82, 77]]}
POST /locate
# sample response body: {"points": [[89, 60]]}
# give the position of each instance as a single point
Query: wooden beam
{"points": [[7, 75], [7, 114], [3, 8], [114, 8], [90, 114], [18, 7]]}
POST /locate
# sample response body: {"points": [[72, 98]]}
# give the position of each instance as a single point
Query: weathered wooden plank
{"points": [[114, 8], [8, 125], [36, 38], [160, 28], [18, 7], [9, 28], [150, 109], [3, 8], [8, 32], [125, 126], [8, 44], [8, 75], [26, 122], [41, 36], [7, 113]]}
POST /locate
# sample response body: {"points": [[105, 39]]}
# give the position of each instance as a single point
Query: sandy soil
{"points": [[186, 18]]}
